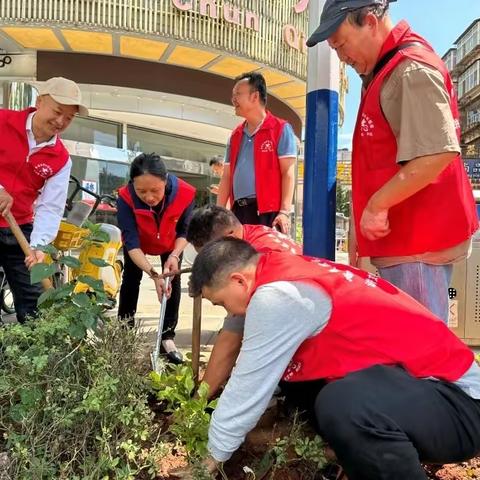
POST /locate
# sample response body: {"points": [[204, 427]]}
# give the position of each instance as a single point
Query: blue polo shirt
{"points": [[244, 177]]}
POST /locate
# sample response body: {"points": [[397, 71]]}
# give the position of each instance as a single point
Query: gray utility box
{"points": [[464, 293]]}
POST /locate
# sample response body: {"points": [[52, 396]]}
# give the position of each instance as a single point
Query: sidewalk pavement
{"points": [[148, 311]]}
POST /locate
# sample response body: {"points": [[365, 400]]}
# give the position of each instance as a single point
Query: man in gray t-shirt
{"points": [[405, 154], [387, 400]]}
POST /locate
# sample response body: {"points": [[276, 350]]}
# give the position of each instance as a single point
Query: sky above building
{"points": [[441, 22]]}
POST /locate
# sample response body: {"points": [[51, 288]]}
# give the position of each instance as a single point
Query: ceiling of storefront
{"points": [[285, 88]]}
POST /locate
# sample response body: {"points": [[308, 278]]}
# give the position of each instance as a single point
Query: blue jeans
{"points": [[428, 284]]}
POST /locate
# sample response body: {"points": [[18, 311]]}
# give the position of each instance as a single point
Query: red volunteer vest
{"points": [[441, 215], [157, 239], [372, 322], [268, 177], [21, 175], [265, 239]]}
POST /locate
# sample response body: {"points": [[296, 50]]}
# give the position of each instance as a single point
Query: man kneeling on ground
{"points": [[211, 223], [401, 388]]}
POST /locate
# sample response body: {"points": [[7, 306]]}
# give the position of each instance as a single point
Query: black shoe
{"points": [[174, 356]]}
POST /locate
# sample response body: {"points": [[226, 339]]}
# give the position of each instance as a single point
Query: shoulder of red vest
{"points": [[186, 190], [274, 124], [17, 118], [124, 193]]}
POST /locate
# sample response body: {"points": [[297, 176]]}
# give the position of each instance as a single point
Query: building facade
{"points": [[156, 75], [463, 62]]}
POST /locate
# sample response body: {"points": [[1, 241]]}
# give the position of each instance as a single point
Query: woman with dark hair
{"points": [[153, 212]]}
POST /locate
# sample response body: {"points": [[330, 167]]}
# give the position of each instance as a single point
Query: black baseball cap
{"points": [[334, 13]]}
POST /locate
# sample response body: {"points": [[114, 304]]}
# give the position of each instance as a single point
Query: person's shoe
{"points": [[169, 349], [175, 357]]}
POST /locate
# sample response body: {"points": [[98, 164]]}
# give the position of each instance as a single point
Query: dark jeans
{"points": [[381, 422], [248, 215], [130, 290], [12, 259]]}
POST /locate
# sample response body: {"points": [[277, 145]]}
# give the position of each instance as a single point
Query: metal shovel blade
{"points": [[79, 213], [156, 353]]}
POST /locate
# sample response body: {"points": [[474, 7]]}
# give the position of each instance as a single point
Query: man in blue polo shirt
{"points": [[259, 173]]}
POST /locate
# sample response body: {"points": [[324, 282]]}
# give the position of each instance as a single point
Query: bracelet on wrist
{"points": [[175, 256], [284, 212]]}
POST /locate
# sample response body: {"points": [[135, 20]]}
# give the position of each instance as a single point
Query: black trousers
{"points": [[248, 215], [382, 422], [130, 290], [12, 259]]}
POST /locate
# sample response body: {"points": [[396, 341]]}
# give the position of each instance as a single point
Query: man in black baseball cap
{"points": [[335, 12], [409, 188]]}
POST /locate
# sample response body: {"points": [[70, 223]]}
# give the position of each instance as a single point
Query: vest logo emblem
{"points": [[366, 126], [266, 146], [43, 170]]}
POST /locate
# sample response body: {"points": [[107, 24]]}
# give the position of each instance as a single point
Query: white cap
{"points": [[63, 91]]}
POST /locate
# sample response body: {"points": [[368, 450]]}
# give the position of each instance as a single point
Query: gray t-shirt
{"points": [[280, 316], [269, 342]]}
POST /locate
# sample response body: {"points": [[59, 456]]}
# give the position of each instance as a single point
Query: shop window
{"points": [[95, 132], [148, 141]]}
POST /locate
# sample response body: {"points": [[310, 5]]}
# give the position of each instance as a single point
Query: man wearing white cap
{"points": [[34, 173], [413, 207]]}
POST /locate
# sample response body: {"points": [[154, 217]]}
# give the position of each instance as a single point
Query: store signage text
{"points": [[301, 6], [247, 19]]}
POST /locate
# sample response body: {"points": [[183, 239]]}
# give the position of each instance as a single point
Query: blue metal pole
{"points": [[320, 173]]}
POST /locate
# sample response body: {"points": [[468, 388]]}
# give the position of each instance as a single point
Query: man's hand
{"points": [[213, 189], [6, 202], [282, 222], [210, 464], [37, 256], [374, 223]]}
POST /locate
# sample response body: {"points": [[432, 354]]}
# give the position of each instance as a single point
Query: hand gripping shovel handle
{"points": [[24, 245], [176, 272], [163, 309]]}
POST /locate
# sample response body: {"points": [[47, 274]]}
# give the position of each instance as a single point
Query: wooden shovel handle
{"points": [[23, 242], [176, 272]]}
